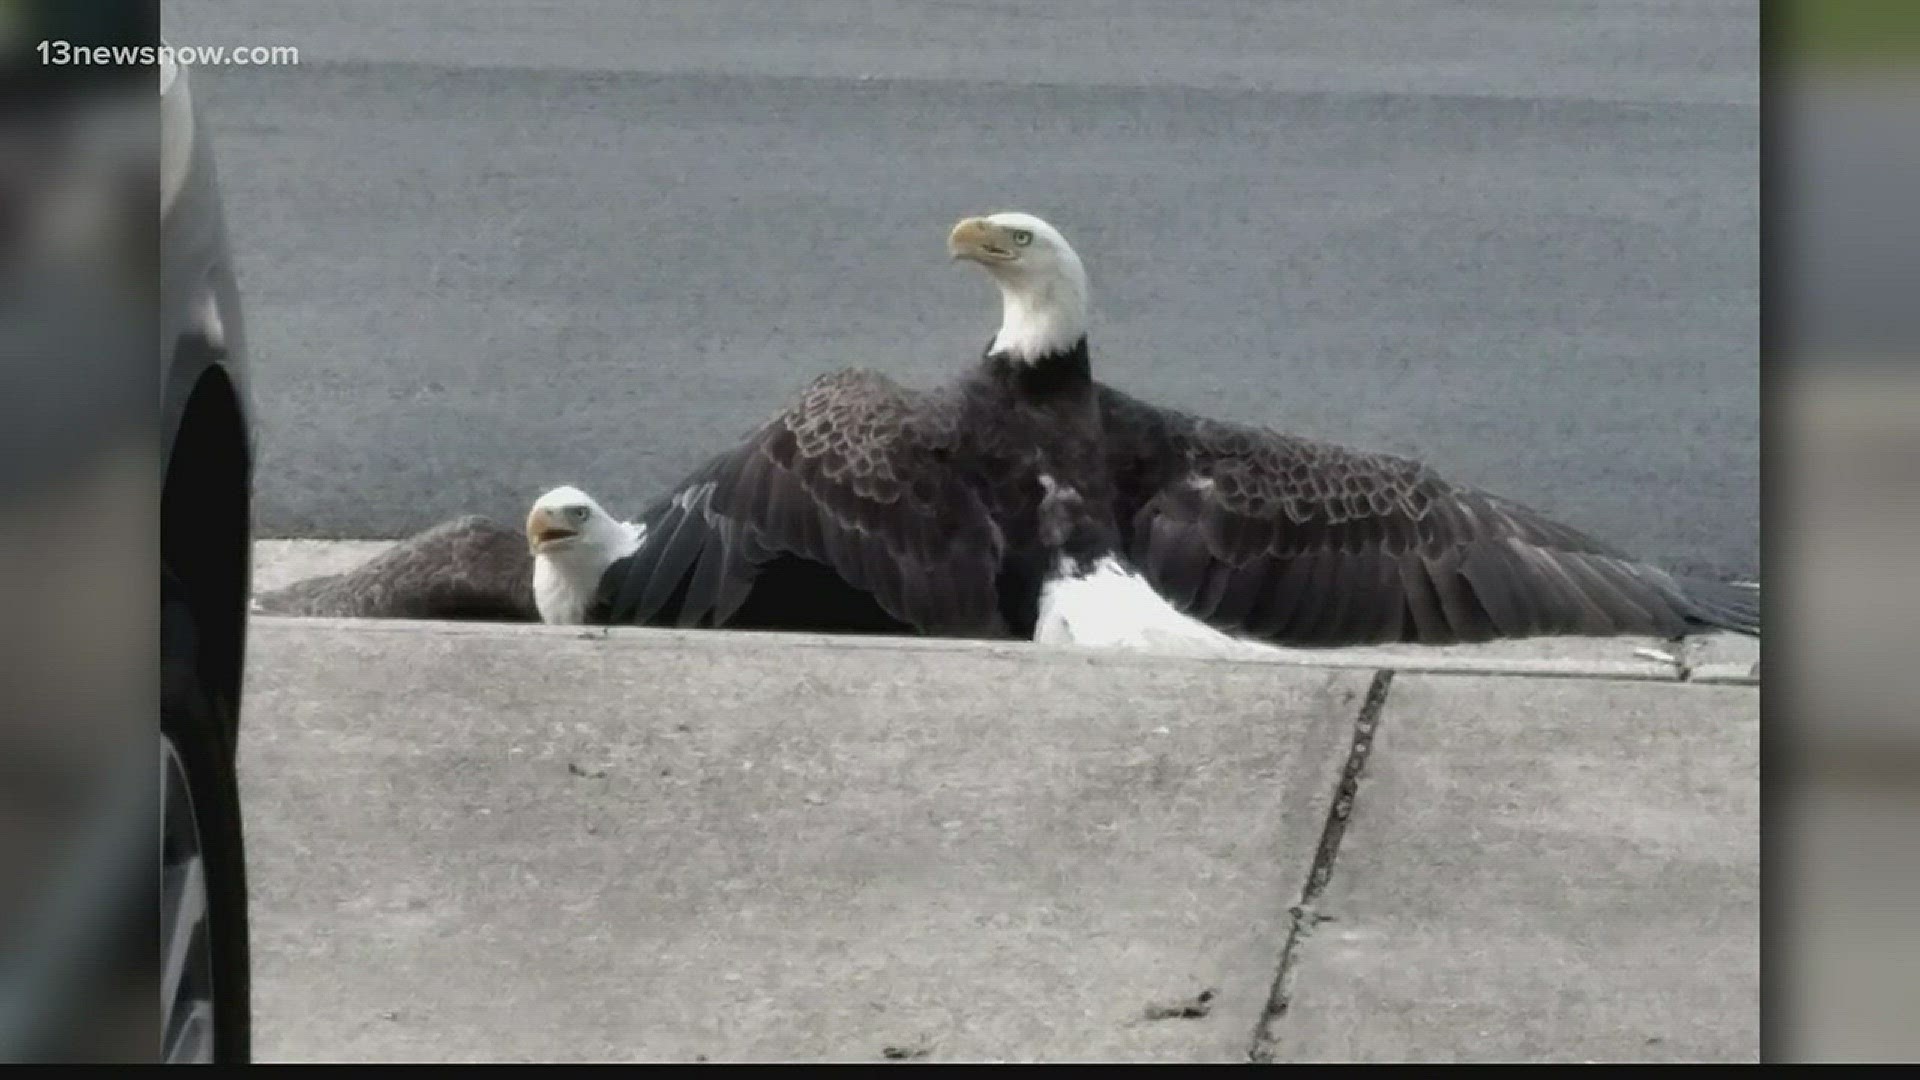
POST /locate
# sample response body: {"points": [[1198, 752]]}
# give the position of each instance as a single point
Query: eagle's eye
{"points": [[1021, 237], [577, 513]]}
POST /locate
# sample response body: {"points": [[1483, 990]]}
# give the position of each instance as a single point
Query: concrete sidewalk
{"points": [[528, 843]]}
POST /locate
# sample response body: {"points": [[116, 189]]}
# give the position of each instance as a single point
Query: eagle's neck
{"points": [[566, 582], [1041, 315]]}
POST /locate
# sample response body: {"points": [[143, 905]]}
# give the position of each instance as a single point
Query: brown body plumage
{"points": [[923, 502], [469, 568]]}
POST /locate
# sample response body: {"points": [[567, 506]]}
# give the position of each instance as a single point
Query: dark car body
{"points": [[206, 415], [205, 554]]}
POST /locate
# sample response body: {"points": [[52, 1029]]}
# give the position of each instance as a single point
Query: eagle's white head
{"points": [[1043, 285], [573, 541]]}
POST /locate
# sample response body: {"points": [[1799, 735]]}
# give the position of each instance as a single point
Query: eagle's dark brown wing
{"points": [[468, 568], [853, 479], [1304, 543]]}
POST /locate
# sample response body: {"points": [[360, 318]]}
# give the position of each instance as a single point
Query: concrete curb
{"points": [[1461, 660]]}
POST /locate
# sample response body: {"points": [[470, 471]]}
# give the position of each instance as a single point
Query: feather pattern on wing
{"points": [[469, 568], [1311, 544], [853, 477]]}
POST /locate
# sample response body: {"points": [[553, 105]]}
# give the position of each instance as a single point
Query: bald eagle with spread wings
{"points": [[870, 506]]}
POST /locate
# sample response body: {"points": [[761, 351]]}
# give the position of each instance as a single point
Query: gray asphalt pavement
{"points": [[488, 248]]}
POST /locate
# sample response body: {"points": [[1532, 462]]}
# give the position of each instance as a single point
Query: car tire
{"points": [[204, 928]]}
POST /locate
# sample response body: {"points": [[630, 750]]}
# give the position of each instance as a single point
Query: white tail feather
{"points": [[1113, 607]]}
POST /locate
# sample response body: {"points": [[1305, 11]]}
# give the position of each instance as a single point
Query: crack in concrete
{"points": [[1303, 917], [1684, 651]]}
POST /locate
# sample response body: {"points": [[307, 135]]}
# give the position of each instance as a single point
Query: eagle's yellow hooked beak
{"points": [[981, 241], [542, 529]]}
